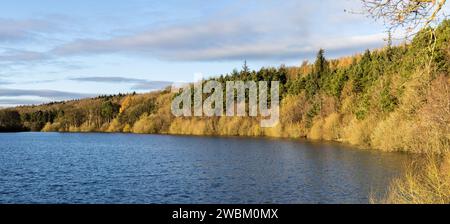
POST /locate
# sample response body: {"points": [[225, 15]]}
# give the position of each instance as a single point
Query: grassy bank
{"points": [[426, 181], [391, 99]]}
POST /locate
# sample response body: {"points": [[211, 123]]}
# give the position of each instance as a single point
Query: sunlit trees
{"points": [[428, 183], [412, 16], [363, 99]]}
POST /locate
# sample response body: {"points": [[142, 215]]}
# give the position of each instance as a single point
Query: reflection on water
{"points": [[127, 168]]}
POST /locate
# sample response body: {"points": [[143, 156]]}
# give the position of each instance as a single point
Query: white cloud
{"points": [[138, 84], [17, 56], [251, 30], [52, 94], [281, 31]]}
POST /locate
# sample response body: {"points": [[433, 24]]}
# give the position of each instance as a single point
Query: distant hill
{"points": [[393, 99]]}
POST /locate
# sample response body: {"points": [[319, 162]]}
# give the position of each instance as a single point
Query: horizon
{"points": [[237, 102], [54, 51], [162, 87]]}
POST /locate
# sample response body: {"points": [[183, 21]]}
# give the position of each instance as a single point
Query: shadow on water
{"points": [[130, 168]]}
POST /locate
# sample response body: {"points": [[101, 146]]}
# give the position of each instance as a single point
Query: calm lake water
{"points": [[128, 168]]}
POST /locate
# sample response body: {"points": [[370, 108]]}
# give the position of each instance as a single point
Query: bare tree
{"points": [[411, 15]]}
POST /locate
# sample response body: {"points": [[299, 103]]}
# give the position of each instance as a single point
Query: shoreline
{"points": [[301, 139]]}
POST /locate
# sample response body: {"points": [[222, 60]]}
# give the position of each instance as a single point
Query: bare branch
{"points": [[411, 15]]}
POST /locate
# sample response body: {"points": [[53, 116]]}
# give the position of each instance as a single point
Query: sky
{"points": [[53, 50]]}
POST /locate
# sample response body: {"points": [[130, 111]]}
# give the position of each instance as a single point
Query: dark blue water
{"points": [[127, 168]]}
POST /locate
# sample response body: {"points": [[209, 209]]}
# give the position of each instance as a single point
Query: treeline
{"points": [[10, 121], [393, 99]]}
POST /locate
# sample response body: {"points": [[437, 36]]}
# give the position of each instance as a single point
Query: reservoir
{"points": [[129, 168]]}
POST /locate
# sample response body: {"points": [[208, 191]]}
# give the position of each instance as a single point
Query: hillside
{"points": [[392, 99]]}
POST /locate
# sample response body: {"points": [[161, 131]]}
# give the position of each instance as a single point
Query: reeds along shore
{"points": [[426, 181], [391, 99]]}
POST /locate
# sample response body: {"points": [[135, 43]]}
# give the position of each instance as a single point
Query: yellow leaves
{"points": [[423, 183], [396, 133], [421, 123], [326, 129], [49, 127], [331, 127], [358, 132], [296, 130], [74, 129], [192, 126], [315, 133], [86, 127], [229, 126], [115, 126], [147, 124], [127, 101], [275, 132], [293, 108], [127, 129]]}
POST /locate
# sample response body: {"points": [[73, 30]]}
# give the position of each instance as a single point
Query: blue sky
{"points": [[56, 50]]}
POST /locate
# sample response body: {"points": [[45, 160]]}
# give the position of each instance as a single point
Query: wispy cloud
{"points": [[18, 56], [51, 94], [228, 30], [4, 82], [15, 102], [197, 36], [151, 85], [186, 47], [44, 49], [107, 79], [282, 49], [12, 30], [138, 84], [286, 30], [7, 82]]}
